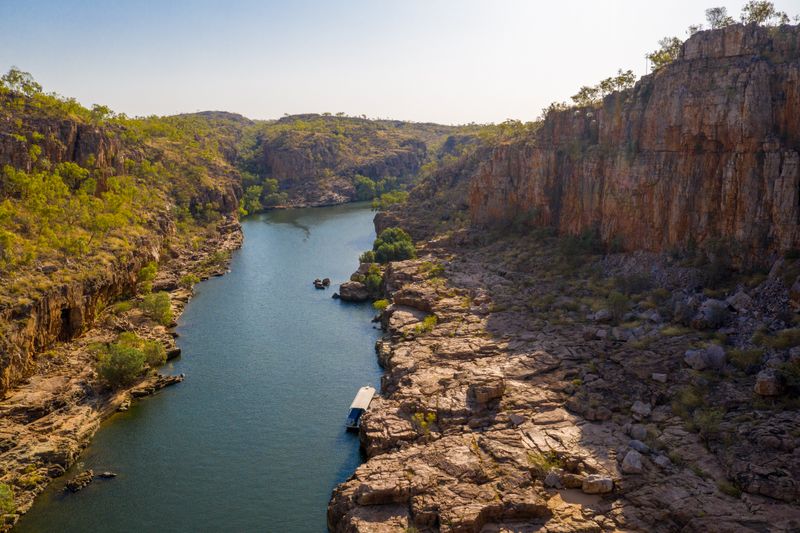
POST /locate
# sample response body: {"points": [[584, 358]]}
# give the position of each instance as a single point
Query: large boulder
{"points": [[353, 291], [597, 484], [768, 383]]}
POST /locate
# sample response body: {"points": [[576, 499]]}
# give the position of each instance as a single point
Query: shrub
{"points": [[433, 270], [7, 504], [146, 276], [393, 244], [157, 305], [542, 463], [618, 305], [373, 280], [787, 338], [686, 401], [427, 325], [121, 307], [746, 360], [380, 305], [790, 375], [188, 280], [120, 365], [154, 352], [367, 257]]}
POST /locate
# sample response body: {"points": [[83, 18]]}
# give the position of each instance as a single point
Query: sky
{"points": [[451, 62]]}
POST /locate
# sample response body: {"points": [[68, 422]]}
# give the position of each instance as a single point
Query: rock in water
{"points": [[80, 482]]}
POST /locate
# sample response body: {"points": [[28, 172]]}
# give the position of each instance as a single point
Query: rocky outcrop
{"points": [[706, 148], [503, 417]]}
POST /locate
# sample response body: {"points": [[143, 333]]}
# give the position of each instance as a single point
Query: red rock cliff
{"points": [[706, 147]]}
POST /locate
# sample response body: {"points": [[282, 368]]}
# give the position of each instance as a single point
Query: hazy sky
{"points": [[425, 60]]}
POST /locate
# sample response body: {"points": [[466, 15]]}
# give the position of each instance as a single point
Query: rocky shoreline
{"points": [[521, 407], [47, 420]]}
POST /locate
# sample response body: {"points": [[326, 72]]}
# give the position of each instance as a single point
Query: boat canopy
{"points": [[363, 398]]}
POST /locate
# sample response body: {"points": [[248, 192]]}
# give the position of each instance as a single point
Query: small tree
{"points": [[7, 504], [762, 12], [146, 276], [157, 305], [20, 82], [120, 365], [670, 48], [717, 18]]}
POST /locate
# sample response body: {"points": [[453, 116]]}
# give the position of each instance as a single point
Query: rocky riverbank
{"points": [[534, 402], [48, 419]]}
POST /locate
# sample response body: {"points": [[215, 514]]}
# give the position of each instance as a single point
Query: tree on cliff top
{"points": [[764, 13]]}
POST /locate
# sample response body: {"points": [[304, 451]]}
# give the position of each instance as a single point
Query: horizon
{"points": [[266, 61]]}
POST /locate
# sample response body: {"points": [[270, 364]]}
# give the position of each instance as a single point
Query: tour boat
{"points": [[359, 406]]}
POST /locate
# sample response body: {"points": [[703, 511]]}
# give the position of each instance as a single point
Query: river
{"points": [[253, 439]]}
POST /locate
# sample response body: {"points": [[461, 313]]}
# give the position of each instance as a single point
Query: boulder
{"points": [[740, 301], [552, 480], [711, 314], [488, 389], [353, 291], [632, 463], [597, 484], [639, 446], [658, 376], [768, 383], [704, 358], [641, 409]]}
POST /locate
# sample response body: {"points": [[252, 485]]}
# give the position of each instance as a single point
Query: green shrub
{"points": [[122, 307], [542, 463], [373, 280], [746, 360], [393, 244], [120, 365], [427, 325], [686, 401], [433, 270], [187, 281], [157, 305], [7, 504], [154, 352], [367, 257], [618, 305], [146, 276], [380, 305]]}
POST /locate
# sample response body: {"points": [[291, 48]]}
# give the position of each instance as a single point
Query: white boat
{"points": [[359, 406]]}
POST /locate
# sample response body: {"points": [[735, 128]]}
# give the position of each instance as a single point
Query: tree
{"points": [[20, 82], [251, 202], [393, 244], [717, 18], [591, 95], [669, 51], [762, 12], [365, 187], [120, 365]]}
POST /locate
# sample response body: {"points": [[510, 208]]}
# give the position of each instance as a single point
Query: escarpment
{"points": [[705, 148], [56, 298]]}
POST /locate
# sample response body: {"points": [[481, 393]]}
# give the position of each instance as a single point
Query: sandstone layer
{"points": [[705, 148]]}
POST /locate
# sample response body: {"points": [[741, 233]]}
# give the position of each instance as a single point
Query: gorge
{"points": [[599, 331]]}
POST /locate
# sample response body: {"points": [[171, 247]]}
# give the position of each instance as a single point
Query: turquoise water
{"points": [[253, 439]]}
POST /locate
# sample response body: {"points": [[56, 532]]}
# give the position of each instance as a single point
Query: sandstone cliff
{"points": [[705, 148]]}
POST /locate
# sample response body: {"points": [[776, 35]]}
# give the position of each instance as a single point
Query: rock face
{"points": [[353, 291], [707, 147]]}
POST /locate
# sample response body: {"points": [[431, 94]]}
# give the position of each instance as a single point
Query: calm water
{"points": [[254, 439]]}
